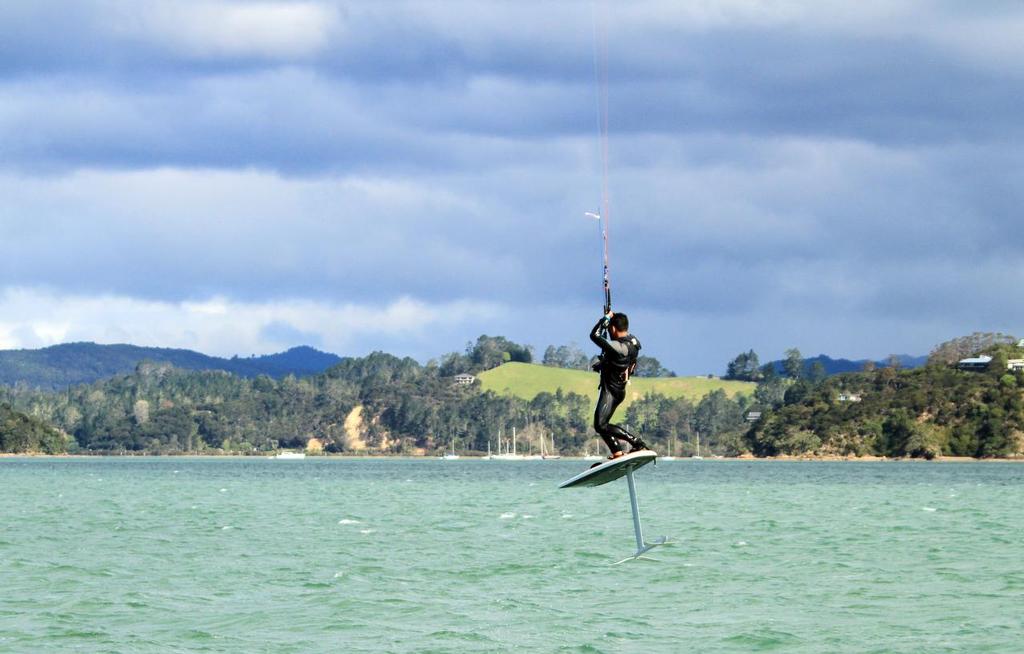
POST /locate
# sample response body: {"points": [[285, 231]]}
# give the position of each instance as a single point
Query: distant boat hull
{"points": [[294, 456]]}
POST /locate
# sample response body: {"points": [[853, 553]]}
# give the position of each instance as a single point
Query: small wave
{"points": [[367, 531], [929, 509], [464, 636], [79, 634], [566, 515], [507, 515], [527, 516], [348, 521], [762, 640], [199, 634], [741, 543], [226, 527], [223, 490]]}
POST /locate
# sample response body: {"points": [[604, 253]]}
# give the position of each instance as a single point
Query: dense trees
{"points": [[717, 418], [404, 407], [793, 364], [379, 403], [571, 356], [745, 367], [21, 434], [924, 412], [651, 367], [486, 353], [566, 356], [384, 403], [962, 347], [885, 410], [771, 390]]}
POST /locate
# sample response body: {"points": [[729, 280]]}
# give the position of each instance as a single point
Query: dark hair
{"points": [[620, 322]]}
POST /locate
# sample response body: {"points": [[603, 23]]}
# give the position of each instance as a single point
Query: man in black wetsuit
{"points": [[619, 351]]}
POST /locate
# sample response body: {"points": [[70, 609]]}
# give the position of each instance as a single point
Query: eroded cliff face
{"points": [[355, 430]]}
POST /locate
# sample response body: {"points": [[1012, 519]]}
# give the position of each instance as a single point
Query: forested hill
{"points": [[932, 411], [378, 404], [390, 405], [60, 366], [22, 434]]}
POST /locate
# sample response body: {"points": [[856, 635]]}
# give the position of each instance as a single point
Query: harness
{"points": [[633, 346], [624, 368]]}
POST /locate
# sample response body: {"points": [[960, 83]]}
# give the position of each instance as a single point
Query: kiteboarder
{"points": [[619, 351]]}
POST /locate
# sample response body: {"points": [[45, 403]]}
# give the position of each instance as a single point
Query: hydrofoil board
{"points": [[611, 469]]}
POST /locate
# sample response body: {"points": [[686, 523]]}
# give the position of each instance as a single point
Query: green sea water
{"points": [[256, 555]]}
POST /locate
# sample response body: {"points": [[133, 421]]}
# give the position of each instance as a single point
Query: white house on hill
{"points": [[981, 363], [975, 363]]}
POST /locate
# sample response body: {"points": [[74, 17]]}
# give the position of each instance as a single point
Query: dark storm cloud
{"points": [[815, 171], [386, 84]]}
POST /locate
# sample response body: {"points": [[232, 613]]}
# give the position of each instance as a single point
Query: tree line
{"points": [[411, 408], [747, 367], [572, 357], [407, 408]]}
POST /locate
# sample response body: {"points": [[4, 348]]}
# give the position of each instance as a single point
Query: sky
{"points": [[240, 177]]}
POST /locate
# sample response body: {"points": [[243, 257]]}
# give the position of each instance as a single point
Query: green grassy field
{"points": [[526, 380]]}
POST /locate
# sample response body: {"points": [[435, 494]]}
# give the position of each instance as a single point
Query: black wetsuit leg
{"points": [[607, 402]]}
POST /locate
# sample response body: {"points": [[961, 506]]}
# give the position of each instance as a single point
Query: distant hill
{"points": [[526, 380], [59, 366], [838, 366]]}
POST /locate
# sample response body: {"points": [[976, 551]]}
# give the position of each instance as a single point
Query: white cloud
{"points": [[33, 317], [178, 234], [213, 30]]}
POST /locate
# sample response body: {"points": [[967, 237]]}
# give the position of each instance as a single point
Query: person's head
{"points": [[618, 325]]}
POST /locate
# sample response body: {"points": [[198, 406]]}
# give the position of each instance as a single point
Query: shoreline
{"points": [[467, 457]]}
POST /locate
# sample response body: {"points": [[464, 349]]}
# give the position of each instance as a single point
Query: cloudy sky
{"points": [[245, 176]]}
